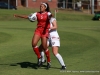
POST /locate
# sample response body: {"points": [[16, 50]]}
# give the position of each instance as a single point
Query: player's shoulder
{"points": [[49, 13], [52, 19], [38, 13]]}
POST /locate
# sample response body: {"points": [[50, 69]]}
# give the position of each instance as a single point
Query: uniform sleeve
{"points": [[32, 17], [49, 13], [52, 19]]}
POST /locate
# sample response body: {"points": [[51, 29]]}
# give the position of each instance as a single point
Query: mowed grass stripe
{"points": [[79, 48], [4, 37]]}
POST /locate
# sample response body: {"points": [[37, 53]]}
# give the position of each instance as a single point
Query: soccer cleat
{"points": [[44, 61], [39, 63], [48, 65], [63, 67]]}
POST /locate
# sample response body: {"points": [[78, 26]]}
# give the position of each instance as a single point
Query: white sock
{"points": [[60, 59], [42, 55]]}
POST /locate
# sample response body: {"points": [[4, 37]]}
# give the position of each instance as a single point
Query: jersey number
{"points": [[41, 17]]}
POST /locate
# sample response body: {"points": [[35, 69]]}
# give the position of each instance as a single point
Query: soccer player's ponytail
{"points": [[48, 8]]}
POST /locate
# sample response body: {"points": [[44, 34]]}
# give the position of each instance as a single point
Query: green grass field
{"points": [[80, 47]]}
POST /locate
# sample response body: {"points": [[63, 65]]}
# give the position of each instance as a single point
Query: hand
{"points": [[15, 15]]}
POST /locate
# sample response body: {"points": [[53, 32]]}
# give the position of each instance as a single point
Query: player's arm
{"points": [[21, 16], [54, 23], [32, 17]]}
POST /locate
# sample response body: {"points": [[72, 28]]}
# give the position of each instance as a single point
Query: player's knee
{"points": [[40, 48], [44, 47], [34, 45], [55, 53]]}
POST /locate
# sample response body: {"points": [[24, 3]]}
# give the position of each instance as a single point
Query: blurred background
{"points": [[86, 6]]}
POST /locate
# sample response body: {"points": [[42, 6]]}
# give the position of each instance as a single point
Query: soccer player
{"points": [[42, 30], [54, 42]]}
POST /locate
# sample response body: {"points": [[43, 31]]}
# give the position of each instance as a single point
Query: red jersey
{"points": [[43, 20], [43, 24]]}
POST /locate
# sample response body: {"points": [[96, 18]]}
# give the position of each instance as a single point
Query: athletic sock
{"points": [[36, 50], [47, 53], [42, 56], [60, 59]]}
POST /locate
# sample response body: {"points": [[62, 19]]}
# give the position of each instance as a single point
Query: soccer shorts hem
{"points": [[53, 43]]}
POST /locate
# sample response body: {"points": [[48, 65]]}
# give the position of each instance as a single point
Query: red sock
{"points": [[36, 50], [47, 53]]}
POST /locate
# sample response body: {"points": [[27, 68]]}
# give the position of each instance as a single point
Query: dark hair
{"points": [[48, 8]]}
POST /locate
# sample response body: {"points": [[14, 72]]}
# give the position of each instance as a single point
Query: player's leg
{"points": [[47, 53], [42, 54], [55, 46], [35, 40], [58, 56], [42, 51]]}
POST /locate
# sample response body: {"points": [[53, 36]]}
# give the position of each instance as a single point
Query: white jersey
{"points": [[54, 39]]}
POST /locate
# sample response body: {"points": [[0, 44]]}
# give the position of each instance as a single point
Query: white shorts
{"points": [[54, 42]]}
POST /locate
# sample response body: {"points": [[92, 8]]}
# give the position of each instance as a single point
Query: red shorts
{"points": [[42, 32]]}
